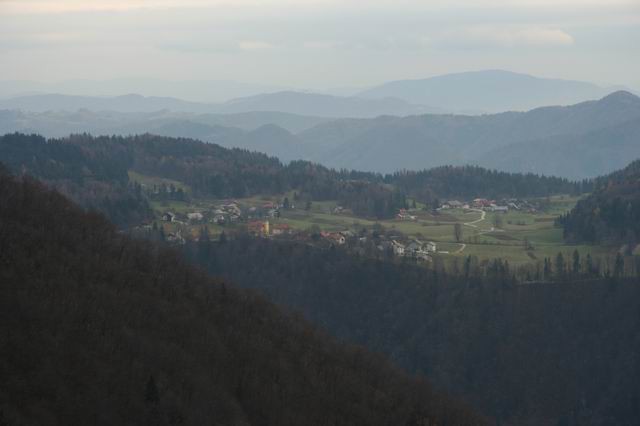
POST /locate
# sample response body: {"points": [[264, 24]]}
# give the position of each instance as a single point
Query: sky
{"points": [[318, 44]]}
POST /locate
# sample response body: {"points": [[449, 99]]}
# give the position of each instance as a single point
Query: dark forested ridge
{"points": [[96, 328], [611, 214], [471, 181], [94, 176], [553, 353], [94, 172]]}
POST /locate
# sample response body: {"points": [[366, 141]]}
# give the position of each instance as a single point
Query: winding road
{"points": [[472, 224], [461, 249]]}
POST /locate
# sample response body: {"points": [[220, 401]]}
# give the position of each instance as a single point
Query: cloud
{"points": [[70, 6], [504, 37], [61, 6], [255, 45]]}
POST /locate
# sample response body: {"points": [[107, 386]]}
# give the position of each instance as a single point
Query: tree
{"points": [[576, 262], [285, 203], [457, 232], [546, 271], [588, 265], [559, 266], [618, 268]]}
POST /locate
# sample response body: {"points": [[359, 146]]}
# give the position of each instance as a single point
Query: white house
{"points": [[195, 217], [398, 249]]}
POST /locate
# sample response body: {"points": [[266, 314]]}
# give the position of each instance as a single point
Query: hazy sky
{"points": [[318, 43]]}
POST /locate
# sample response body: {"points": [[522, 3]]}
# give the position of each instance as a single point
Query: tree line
{"points": [[93, 171]]}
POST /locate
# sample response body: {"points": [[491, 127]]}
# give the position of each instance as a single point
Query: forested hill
{"points": [[562, 352], [471, 181], [611, 214], [94, 176], [94, 172], [96, 328]]}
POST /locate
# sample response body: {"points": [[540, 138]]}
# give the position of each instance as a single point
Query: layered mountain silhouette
{"points": [[511, 141], [577, 141]]}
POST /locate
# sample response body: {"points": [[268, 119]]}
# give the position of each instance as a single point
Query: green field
{"points": [[484, 240]]}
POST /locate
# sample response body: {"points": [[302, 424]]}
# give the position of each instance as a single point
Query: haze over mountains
{"points": [[578, 141], [204, 91], [468, 93], [287, 102]]}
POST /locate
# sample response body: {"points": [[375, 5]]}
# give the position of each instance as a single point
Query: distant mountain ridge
{"points": [[125, 103], [204, 91], [310, 104], [488, 91], [326, 105], [62, 123]]}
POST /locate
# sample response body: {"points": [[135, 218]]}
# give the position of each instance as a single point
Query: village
{"points": [[330, 224], [515, 229], [265, 221], [501, 206]]}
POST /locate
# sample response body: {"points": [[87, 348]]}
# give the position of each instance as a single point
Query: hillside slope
{"points": [[581, 156], [96, 328], [611, 214], [539, 354]]}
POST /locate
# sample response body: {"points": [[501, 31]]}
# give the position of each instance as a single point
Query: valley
{"points": [[319, 213]]}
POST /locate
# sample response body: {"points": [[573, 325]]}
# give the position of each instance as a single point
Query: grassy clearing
{"points": [[150, 181], [486, 240]]}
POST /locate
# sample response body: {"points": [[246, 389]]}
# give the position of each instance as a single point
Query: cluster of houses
{"points": [[413, 248], [400, 247], [263, 228], [226, 213], [338, 238], [502, 206], [403, 214]]}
